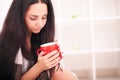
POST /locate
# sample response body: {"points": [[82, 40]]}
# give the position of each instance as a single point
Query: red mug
{"points": [[49, 47]]}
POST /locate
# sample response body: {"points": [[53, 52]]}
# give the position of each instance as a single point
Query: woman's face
{"points": [[36, 17]]}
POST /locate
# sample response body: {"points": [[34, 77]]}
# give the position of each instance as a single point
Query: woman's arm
{"points": [[64, 75], [32, 73], [44, 63]]}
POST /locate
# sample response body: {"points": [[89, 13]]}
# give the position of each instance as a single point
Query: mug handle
{"points": [[38, 51]]}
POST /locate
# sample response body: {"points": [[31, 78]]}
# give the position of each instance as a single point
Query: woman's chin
{"points": [[35, 32]]}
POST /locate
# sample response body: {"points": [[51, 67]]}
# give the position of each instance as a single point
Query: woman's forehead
{"points": [[37, 8]]}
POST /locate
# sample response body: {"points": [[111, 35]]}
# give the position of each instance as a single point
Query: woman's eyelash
{"points": [[44, 18], [33, 18]]}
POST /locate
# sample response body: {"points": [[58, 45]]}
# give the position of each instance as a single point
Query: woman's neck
{"points": [[28, 43]]}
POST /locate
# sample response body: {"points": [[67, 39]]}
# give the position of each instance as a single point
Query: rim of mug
{"points": [[48, 44]]}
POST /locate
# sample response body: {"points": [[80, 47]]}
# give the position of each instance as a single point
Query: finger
{"points": [[55, 62], [51, 54], [41, 53], [54, 57]]}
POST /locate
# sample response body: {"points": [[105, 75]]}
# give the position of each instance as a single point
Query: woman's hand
{"points": [[47, 61]]}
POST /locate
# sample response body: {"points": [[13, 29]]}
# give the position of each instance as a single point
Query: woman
{"points": [[28, 24]]}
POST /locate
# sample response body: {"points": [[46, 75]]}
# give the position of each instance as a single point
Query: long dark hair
{"points": [[14, 33]]}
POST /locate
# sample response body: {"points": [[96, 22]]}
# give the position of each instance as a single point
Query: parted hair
{"points": [[14, 33]]}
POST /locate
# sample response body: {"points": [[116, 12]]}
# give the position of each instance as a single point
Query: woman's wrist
{"points": [[36, 69], [39, 67]]}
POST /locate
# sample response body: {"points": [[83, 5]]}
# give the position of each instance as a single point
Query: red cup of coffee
{"points": [[49, 47]]}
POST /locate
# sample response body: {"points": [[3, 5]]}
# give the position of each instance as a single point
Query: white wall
{"points": [[84, 61], [4, 6]]}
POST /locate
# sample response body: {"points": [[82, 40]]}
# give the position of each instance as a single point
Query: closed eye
{"points": [[44, 16], [32, 18]]}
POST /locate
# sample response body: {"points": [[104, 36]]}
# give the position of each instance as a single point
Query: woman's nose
{"points": [[39, 23]]}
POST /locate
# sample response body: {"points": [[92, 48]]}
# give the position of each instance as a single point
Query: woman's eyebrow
{"points": [[45, 14], [34, 15]]}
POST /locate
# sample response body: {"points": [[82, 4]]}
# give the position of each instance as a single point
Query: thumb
{"points": [[41, 53]]}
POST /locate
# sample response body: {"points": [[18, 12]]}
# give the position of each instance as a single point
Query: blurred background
{"points": [[89, 34]]}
